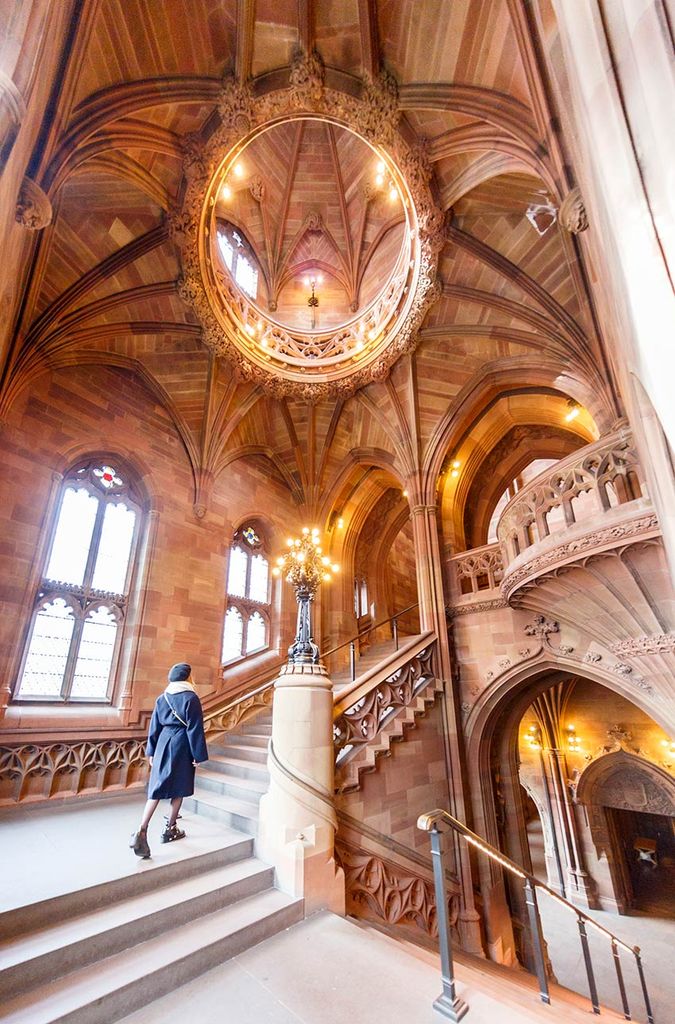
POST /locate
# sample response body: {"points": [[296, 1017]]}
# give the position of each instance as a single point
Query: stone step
{"points": [[247, 740], [146, 876], [242, 789], [104, 991], [256, 728], [235, 767], [226, 810], [48, 953], [244, 752]]}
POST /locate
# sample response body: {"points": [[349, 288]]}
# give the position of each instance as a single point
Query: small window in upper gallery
{"points": [[246, 626], [239, 258], [79, 610]]}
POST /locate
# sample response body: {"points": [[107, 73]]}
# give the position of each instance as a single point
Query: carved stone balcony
{"points": [[590, 502]]}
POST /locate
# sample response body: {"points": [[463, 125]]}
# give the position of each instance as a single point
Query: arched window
{"points": [[238, 257], [246, 628], [79, 611]]}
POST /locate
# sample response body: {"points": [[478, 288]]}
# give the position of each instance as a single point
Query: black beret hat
{"points": [[180, 672]]}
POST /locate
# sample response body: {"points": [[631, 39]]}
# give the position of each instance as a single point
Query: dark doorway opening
{"points": [[646, 846]]}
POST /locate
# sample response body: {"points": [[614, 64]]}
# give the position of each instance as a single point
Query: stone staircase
{"points": [[229, 785], [99, 953]]}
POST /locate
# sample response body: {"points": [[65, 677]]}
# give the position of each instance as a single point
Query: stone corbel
{"points": [[33, 208], [572, 213]]}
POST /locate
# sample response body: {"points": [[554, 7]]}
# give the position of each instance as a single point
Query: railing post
{"points": [[537, 940], [619, 978], [595, 1003], [645, 993], [352, 660], [394, 622], [448, 1004]]}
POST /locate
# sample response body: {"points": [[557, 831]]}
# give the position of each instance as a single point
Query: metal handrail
{"points": [[364, 632], [448, 1003]]}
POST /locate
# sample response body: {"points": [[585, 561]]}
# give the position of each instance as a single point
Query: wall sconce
{"points": [[533, 737], [573, 741]]}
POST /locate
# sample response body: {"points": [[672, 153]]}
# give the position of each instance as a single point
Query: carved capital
{"points": [[33, 208]]}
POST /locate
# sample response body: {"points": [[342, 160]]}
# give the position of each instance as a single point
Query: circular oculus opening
{"points": [[311, 239]]}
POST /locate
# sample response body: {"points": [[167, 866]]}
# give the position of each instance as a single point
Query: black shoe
{"points": [[139, 844], [171, 833]]}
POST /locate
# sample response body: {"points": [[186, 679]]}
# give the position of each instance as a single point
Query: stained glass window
{"points": [[248, 596], [246, 276], [80, 605]]}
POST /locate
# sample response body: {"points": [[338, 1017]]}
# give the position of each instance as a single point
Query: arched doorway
{"points": [[630, 804]]}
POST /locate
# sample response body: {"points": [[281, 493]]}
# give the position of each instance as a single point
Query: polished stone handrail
{"points": [[607, 470]]}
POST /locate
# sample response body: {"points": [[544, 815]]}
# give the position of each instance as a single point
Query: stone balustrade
{"points": [[593, 480], [476, 571]]}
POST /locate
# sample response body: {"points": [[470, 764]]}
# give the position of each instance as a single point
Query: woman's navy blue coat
{"points": [[174, 746]]}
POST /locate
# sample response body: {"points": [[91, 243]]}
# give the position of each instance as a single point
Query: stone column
{"points": [[432, 617], [297, 814], [580, 886]]}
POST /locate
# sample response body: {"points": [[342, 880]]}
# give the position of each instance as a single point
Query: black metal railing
{"points": [[448, 1003], [362, 634]]}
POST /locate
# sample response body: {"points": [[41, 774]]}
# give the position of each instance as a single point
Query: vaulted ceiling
{"points": [[139, 91]]}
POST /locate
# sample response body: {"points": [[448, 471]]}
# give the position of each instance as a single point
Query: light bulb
{"points": [[301, 556], [455, 472], [380, 167], [305, 530], [379, 180], [290, 542], [238, 170], [335, 567], [326, 577], [393, 194], [340, 523], [359, 346], [276, 572], [456, 464], [325, 560], [250, 329], [226, 192]]}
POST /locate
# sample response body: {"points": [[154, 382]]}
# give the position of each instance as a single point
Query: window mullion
{"points": [[73, 653], [247, 585], [93, 548], [244, 632]]}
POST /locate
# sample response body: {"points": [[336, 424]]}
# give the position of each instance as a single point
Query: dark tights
{"points": [[152, 805]]}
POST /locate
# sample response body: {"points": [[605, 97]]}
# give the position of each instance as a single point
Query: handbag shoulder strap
{"points": [[174, 712]]}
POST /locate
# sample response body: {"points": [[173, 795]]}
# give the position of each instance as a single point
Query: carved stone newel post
{"points": [[297, 815]]}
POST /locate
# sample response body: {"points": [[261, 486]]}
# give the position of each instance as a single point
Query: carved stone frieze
{"points": [[35, 770], [478, 606], [395, 895], [572, 213], [269, 354], [659, 643], [33, 208]]}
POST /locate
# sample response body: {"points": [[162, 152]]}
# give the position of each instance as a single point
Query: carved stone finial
{"points": [[307, 80], [572, 213], [33, 208]]}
